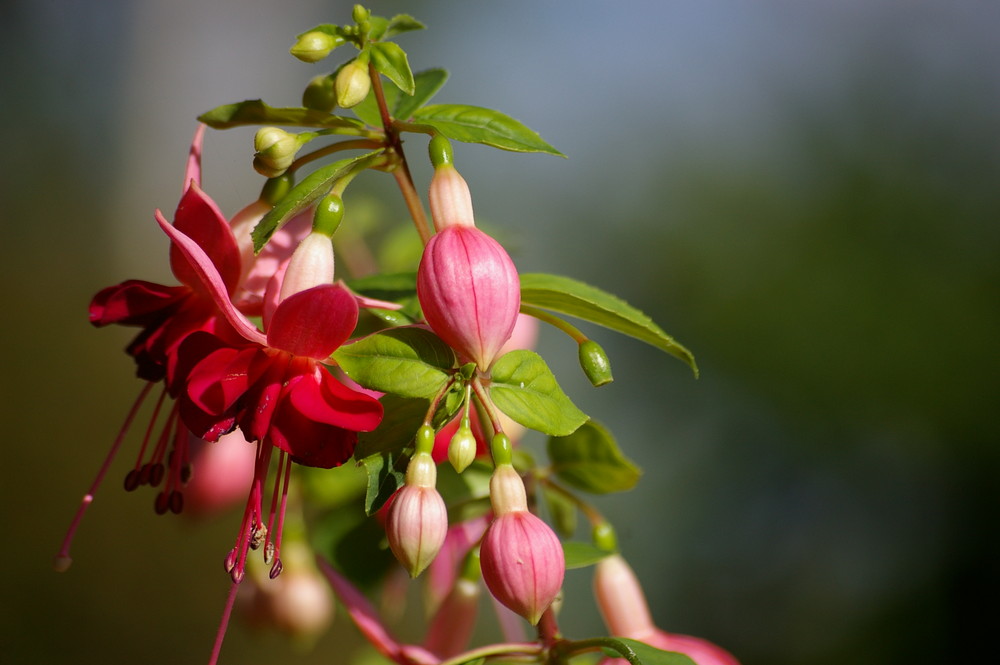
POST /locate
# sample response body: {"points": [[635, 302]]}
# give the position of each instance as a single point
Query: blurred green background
{"points": [[805, 194]]}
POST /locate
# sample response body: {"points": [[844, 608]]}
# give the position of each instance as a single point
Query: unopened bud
{"points": [[417, 522], [595, 363], [462, 447], [352, 84], [315, 45], [359, 13], [276, 151], [522, 560], [450, 198], [319, 95], [311, 265]]}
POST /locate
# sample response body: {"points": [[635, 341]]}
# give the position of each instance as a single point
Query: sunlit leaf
{"points": [[256, 112], [524, 388], [589, 459], [390, 60], [474, 124], [410, 362]]}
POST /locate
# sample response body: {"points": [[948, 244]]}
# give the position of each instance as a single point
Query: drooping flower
{"points": [[626, 613], [467, 284], [417, 521], [522, 559]]}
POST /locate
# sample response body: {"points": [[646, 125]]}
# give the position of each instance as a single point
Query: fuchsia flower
{"points": [[417, 520], [626, 614], [522, 559], [466, 282]]}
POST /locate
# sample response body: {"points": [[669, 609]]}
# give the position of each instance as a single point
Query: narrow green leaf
{"points": [[474, 124], [401, 23], [425, 85], [312, 187], [640, 653], [524, 388], [410, 362], [377, 27], [581, 555], [568, 296], [386, 474], [403, 416], [390, 60], [589, 459], [256, 112]]}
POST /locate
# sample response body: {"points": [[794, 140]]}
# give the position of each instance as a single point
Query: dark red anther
{"points": [[237, 575], [275, 569], [156, 475], [162, 503], [186, 473], [131, 480], [144, 473], [230, 561], [176, 502]]}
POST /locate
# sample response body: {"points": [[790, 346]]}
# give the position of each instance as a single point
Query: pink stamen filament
{"points": [[224, 623], [63, 560], [276, 568], [149, 429]]}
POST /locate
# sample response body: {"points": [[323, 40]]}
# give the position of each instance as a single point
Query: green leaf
{"points": [[568, 296], [425, 85], [368, 111], [390, 60], [581, 555], [410, 362], [312, 187], [393, 286], [474, 124], [354, 544], [386, 474], [561, 509], [525, 389], [377, 27], [589, 459], [402, 23], [640, 653], [466, 494], [256, 112], [403, 416]]}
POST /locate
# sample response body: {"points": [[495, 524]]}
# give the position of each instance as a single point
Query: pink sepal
{"points": [[313, 323], [199, 218]]}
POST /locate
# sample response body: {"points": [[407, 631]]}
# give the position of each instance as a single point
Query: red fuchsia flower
{"points": [[467, 284], [626, 614], [274, 386], [522, 559]]}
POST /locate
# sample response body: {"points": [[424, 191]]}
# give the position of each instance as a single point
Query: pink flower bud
{"points": [[469, 291], [450, 199], [417, 522], [522, 559], [311, 265], [626, 614]]}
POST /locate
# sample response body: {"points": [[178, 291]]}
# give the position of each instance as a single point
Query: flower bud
{"points": [[276, 151], [311, 265], [315, 45], [522, 559], [462, 447], [595, 363], [469, 291], [450, 198], [319, 95], [417, 522], [352, 84]]}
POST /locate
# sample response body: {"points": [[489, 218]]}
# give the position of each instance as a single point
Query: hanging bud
{"points": [[311, 265], [275, 151], [595, 363], [352, 83], [319, 95], [417, 522], [315, 45], [462, 447], [522, 559]]}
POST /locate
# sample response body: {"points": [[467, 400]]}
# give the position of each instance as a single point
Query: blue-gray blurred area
{"points": [[807, 194]]}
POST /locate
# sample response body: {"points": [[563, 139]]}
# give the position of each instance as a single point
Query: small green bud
{"points": [[595, 363], [314, 46], [276, 150], [462, 447], [319, 95], [605, 537], [360, 14], [275, 188], [424, 440], [352, 84], [440, 151], [501, 449], [328, 215]]}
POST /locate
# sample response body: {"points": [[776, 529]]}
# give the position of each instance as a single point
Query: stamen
{"points": [[149, 430], [221, 633], [162, 503], [176, 502], [63, 560]]}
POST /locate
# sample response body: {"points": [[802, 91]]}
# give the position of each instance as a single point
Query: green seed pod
{"points": [[319, 95], [595, 363]]}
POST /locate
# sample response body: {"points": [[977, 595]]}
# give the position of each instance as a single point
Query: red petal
{"points": [[134, 302], [315, 322], [320, 397], [199, 218]]}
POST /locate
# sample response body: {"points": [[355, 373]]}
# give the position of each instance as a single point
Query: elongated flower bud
{"points": [[311, 265], [417, 522], [450, 199], [469, 291], [352, 84], [522, 559]]}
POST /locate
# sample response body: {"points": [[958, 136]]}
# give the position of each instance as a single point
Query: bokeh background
{"points": [[804, 193]]}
